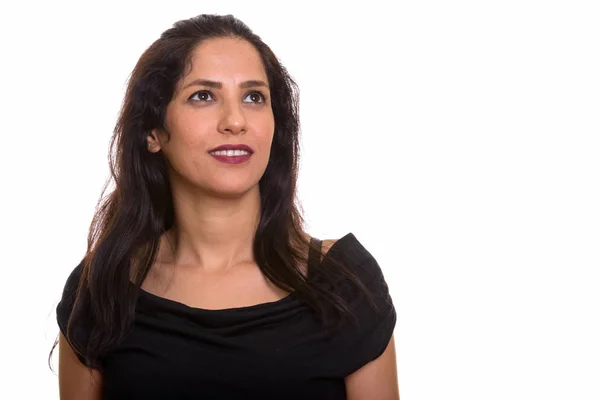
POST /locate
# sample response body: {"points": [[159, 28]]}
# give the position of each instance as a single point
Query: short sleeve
{"points": [[359, 343], [64, 309]]}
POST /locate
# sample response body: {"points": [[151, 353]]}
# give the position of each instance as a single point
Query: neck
{"points": [[213, 234]]}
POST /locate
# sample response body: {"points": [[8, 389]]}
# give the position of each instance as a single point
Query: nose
{"points": [[232, 120]]}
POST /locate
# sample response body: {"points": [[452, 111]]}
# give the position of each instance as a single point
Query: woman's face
{"points": [[223, 99]]}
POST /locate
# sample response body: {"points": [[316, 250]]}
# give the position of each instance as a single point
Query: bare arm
{"points": [[74, 379], [377, 379]]}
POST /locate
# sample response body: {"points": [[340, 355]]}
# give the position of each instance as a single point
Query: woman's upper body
{"points": [[206, 153], [269, 350]]}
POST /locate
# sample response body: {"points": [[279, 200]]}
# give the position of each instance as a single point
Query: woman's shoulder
{"points": [[375, 314], [71, 284], [78, 335], [326, 245], [347, 248], [350, 252]]}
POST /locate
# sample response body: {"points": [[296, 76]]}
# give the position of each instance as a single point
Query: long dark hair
{"points": [[125, 231]]}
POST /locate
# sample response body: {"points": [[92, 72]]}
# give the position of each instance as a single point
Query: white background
{"points": [[458, 140]]}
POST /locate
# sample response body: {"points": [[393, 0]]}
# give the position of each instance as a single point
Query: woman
{"points": [[199, 280]]}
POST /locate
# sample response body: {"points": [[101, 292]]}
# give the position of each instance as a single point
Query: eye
{"points": [[201, 95], [257, 97]]}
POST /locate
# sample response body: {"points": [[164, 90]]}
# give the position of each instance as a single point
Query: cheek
{"points": [[189, 133], [186, 146], [267, 130]]}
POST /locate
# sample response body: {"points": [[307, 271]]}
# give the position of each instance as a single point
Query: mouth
{"points": [[231, 156], [232, 147]]}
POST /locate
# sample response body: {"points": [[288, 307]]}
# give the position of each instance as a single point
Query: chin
{"points": [[234, 190]]}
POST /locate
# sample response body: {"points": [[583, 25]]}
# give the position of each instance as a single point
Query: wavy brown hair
{"points": [[129, 222]]}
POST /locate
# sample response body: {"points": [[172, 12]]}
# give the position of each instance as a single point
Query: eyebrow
{"points": [[219, 85]]}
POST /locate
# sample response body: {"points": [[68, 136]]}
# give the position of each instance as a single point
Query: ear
{"points": [[153, 143]]}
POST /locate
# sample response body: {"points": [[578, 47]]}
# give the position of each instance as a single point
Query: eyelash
{"points": [[264, 98]]}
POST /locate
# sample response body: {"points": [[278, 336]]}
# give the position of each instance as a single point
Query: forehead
{"points": [[225, 59]]}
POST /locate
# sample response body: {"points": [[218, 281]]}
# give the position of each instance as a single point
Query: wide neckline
{"points": [[291, 296], [178, 304]]}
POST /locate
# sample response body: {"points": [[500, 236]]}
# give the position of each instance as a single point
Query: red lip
{"points": [[233, 147]]}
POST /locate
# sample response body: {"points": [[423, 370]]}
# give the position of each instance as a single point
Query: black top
{"points": [[275, 350]]}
